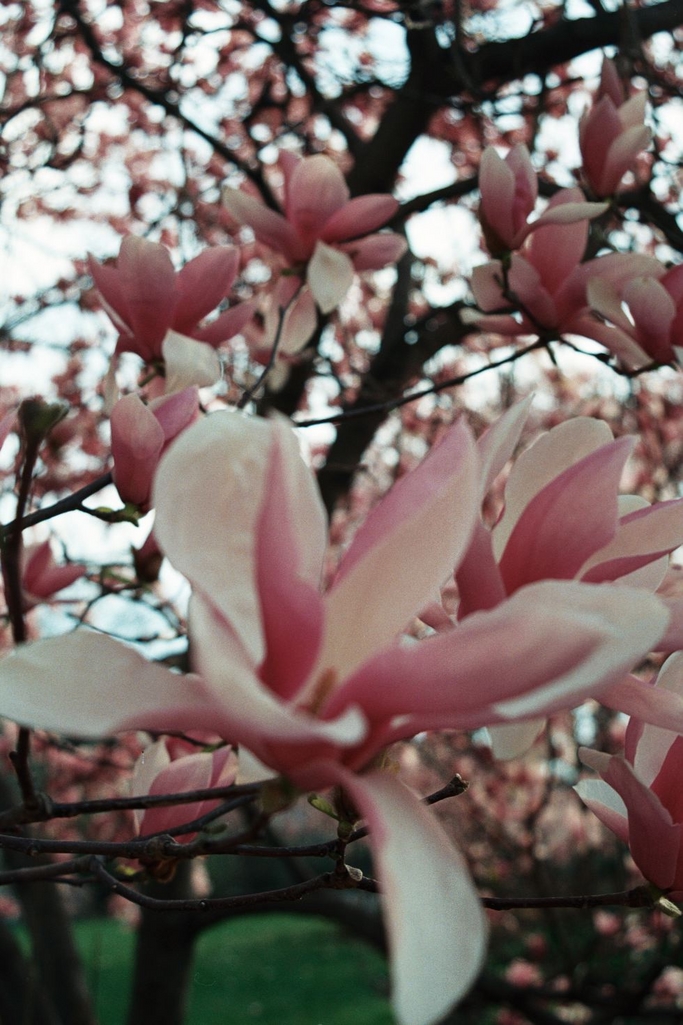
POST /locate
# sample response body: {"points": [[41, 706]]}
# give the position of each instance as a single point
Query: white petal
{"points": [[330, 275], [189, 362], [514, 739], [435, 922], [88, 685]]}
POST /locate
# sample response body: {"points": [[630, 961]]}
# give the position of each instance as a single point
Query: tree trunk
{"points": [[163, 958]]}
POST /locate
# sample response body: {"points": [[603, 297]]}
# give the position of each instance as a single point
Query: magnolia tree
{"points": [[340, 438]]}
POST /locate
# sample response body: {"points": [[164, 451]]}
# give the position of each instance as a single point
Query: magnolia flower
{"points": [[139, 436], [173, 766], [315, 685], [639, 797], [548, 282], [612, 133], [509, 190], [564, 520], [323, 234], [158, 311], [41, 576], [645, 316]]}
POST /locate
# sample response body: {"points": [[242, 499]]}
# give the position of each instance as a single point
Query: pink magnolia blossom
{"points": [[645, 316], [170, 766], [316, 685], [639, 797], [563, 520], [140, 434], [509, 191], [42, 577], [158, 312], [612, 134], [323, 233], [548, 283]]}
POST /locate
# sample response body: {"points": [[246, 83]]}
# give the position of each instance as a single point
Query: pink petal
{"points": [[247, 712], [269, 227], [610, 83], [527, 289], [315, 191], [621, 156], [655, 740], [42, 578], [597, 130], [188, 363], [567, 520], [667, 784], [673, 283], [630, 354], [642, 537], [605, 299], [542, 462], [375, 251], [498, 443], [137, 439], [176, 412], [193, 772], [217, 474], [202, 284], [301, 320], [227, 324], [556, 249], [403, 552], [569, 213], [548, 647], [653, 838], [329, 275], [653, 311], [497, 186], [97, 687], [501, 325], [435, 922], [632, 111], [148, 283], [288, 580], [660, 708], [673, 638], [605, 804], [108, 283], [487, 286], [480, 584], [359, 217]]}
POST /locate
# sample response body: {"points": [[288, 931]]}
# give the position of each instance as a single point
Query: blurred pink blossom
{"points": [[158, 312], [612, 133], [509, 191], [324, 234]]}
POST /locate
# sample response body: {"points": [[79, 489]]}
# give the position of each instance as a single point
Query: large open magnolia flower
{"points": [[316, 684], [563, 519]]}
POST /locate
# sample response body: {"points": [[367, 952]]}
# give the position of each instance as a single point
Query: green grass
{"points": [[268, 969]]}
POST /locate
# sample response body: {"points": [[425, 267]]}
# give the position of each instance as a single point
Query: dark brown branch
{"points": [[72, 503], [435, 78], [48, 809], [161, 99], [327, 881]]}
